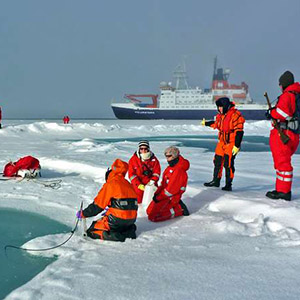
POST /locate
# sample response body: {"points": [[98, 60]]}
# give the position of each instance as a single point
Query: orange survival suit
{"points": [[230, 124], [167, 201], [142, 171], [119, 200]]}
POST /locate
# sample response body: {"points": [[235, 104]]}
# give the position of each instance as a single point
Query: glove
{"points": [[268, 113], [154, 199], [151, 182], [203, 122], [141, 187], [235, 150], [79, 215]]}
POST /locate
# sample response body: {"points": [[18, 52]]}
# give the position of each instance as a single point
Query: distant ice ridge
{"points": [[112, 128]]}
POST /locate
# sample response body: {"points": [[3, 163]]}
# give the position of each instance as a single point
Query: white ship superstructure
{"points": [[183, 102]]}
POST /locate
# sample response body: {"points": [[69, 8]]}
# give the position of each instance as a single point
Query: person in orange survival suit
{"points": [[167, 203], [283, 112], [230, 124], [119, 201], [144, 168]]}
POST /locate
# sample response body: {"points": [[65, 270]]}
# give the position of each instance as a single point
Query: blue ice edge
{"points": [[16, 228]]}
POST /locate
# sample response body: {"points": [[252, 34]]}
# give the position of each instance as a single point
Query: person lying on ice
{"points": [[144, 168], [167, 203], [283, 112], [230, 124], [120, 200]]}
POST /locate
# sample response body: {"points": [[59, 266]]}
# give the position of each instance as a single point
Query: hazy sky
{"points": [[73, 57]]}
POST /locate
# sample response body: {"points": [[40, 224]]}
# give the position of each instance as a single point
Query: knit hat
{"points": [[286, 79], [172, 150], [144, 143], [224, 102]]}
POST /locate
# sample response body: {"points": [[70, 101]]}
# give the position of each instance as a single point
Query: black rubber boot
{"points": [[184, 208], [279, 195], [215, 182], [228, 185]]}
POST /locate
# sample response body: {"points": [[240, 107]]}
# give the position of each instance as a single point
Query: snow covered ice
{"points": [[238, 245]]}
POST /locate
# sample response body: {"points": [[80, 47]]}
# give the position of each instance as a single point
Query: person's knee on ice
{"points": [[144, 169], [117, 204], [165, 203]]}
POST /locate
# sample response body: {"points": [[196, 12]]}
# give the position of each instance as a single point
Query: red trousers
{"points": [[282, 156], [164, 210]]}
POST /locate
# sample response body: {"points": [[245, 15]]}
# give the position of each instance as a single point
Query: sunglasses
{"points": [[168, 155], [142, 148]]}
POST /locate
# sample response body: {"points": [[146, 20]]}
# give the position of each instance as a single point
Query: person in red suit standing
{"points": [[167, 203], [283, 113], [144, 168], [66, 119]]}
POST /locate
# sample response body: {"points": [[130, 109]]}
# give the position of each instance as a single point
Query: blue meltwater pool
{"points": [[16, 228]]}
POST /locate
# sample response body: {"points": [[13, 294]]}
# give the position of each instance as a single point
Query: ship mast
{"points": [[215, 68], [180, 77]]}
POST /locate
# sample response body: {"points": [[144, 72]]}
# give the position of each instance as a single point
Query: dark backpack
{"points": [[294, 123]]}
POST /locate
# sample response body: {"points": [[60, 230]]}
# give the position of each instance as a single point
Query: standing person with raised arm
{"points": [[230, 123]]}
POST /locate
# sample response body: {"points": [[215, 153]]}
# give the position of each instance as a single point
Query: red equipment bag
{"points": [[25, 163]]}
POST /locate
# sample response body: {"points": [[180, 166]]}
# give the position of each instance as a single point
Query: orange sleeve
{"points": [[237, 122], [103, 197], [215, 124], [156, 171], [133, 176]]}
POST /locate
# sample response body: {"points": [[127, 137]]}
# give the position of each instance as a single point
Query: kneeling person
{"points": [[120, 200], [144, 169], [167, 201]]}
